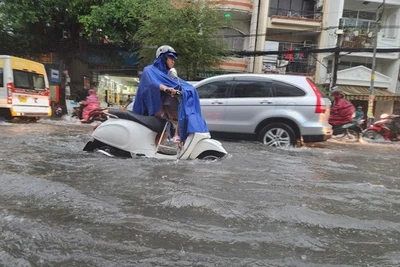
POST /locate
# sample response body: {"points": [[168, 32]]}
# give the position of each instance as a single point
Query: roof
{"points": [[352, 92]]}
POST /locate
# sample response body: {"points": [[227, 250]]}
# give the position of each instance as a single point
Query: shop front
{"points": [[355, 84], [113, 91]]}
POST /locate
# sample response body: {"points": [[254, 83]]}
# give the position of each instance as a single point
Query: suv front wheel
{"points": [[277, 135]]}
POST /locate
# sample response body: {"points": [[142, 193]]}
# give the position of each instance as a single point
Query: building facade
{"points": [[290, 25], [359, 20]]}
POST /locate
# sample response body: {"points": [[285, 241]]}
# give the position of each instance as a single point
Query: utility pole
{"points": [[371, 97], [335, 65]]}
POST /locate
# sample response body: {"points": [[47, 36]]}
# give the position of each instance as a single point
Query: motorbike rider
{"points": [[91, 103], [359, 113], [158, 103], [342, 111]]}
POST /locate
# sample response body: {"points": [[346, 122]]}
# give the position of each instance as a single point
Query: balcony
{"points": [[363, 38], [285, 19], [301, 67], [236, 5], [295, 61]]}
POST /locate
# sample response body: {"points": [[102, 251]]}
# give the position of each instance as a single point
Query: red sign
{"points": [[46, 58]]}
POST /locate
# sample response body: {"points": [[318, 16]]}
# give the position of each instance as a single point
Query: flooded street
{"points": [[335, 204]]}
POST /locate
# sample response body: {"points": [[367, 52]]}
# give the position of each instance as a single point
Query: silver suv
{"points": [[277, 110]]}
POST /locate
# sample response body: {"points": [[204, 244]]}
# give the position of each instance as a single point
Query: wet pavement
{"points": [[331, 204]]}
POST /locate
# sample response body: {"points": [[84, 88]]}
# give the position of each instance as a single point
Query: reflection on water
{"points": [[336, 205]]}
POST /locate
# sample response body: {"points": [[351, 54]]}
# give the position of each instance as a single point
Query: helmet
{"points": [[166, 49], [336, 90]]}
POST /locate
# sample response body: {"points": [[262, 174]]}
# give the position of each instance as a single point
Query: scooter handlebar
{"points": [[168, 91]]}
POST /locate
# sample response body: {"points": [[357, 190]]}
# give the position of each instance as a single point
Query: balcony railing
{"points": [[361, 25], [290, 13], [295, 68], [294, 20]]}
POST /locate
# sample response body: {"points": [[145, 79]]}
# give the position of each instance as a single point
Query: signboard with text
{"points": [[46, 58]]}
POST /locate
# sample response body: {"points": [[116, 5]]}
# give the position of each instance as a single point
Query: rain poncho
{"points": [[148, 99], [91, 103], [342, 112]]}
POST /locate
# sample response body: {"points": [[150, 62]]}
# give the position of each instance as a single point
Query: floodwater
{"points": [[333, 204]]}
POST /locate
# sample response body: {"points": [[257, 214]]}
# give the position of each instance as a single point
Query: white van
{"points": [[24, 88]]}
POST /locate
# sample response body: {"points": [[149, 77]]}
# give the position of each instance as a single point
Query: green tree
{"points": [[31, 27], [191, 28], [116, 19]]}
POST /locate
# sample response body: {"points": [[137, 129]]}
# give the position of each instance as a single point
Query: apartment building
{"points": [[290, 25], [359, 19], [273, 25]]}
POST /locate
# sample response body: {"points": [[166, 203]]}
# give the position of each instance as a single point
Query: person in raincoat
{"points": [[91, 103], [151, 96], [342, 111]]}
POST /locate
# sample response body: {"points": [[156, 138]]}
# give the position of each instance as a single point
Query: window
{"points": [[28, 80], [38, 82], [216, 89], [292, 8], [233, 38], [1, 78], [391, 27], [21, 79], [253, 89], [285, 90]]}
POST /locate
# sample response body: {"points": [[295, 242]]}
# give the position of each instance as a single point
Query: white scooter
{"points": [[127, 134]]}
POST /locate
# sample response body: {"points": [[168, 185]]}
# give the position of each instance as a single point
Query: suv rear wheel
{"points": [[277, 135]]}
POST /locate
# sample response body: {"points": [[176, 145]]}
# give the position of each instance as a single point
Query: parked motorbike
{"points": [[126, 134], [351, 130], [384, 129], [77, 111]]}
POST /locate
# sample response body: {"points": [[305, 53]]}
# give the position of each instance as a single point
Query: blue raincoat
{"points": [[148, 99]]}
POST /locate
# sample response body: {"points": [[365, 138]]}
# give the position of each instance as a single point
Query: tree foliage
{"points": [[30, 27], [191, 28], [116, 19]]}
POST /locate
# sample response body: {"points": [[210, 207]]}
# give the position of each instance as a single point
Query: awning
{"points": [[352, 92]]}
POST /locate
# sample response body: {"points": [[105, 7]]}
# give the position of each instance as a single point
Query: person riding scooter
{"points": [[91, 103], [152, 96], [342, 111]]}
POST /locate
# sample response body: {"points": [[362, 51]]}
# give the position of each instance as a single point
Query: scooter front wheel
{"points": [[211, 155], [373, 135]]}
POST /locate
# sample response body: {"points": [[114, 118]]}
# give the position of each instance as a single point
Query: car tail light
{"points": [[10, 90], [320, 107]]}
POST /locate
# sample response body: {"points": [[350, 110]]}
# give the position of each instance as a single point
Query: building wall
{"points": [[387, 64], [382, 107], [332, 11]]}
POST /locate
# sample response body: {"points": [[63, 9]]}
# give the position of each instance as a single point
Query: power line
{"points": [[316, 51]]}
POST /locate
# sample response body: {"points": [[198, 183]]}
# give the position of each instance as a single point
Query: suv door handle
{"points": [[266, 102], [216, 102]]}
